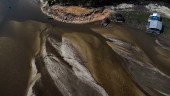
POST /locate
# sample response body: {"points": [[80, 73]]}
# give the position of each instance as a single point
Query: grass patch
{"points": [[138, 21], [141, 16]]}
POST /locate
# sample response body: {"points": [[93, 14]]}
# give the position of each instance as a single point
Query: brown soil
{"points": [[78, 10]]}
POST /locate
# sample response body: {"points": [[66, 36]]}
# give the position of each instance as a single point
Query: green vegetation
{"points": [[136, 20], [141, 16]]}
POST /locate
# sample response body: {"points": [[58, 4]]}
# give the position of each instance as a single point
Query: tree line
{"points": [[100, 2]]}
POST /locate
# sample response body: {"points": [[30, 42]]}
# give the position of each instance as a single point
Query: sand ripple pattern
{"points": [[81, 82], [146, 75]]}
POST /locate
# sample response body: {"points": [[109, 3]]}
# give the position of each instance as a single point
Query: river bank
{"points": [[73, 14], [137, 18], [79, 15]]}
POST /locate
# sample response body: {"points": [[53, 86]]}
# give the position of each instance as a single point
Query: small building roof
{"points": [[156, 24]]}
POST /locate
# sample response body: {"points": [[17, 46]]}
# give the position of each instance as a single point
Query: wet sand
{"points": [[104, 64], [85, 55], [133, 48], [136, 38], [15, 65], [18, 46]]}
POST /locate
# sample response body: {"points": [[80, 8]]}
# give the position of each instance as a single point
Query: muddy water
{"points": [[20, 29]]}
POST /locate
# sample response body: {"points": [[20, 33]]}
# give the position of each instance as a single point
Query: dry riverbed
{"points": [[82, 60]]}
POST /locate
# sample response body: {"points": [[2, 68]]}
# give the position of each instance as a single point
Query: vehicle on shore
{"points": [[119, 18], [105, 22], [154, 24]]}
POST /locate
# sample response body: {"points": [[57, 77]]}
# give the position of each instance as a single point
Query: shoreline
{"points": [[62, 16]]}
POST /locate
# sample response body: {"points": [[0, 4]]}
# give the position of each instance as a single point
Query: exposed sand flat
{"points": [[106, 68], [70, 81], [137, 60], [116, 32], [163, 43], [162, 54], [87, 49], [78, 10], [80, 60], [151, 74], [32, 65]]}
